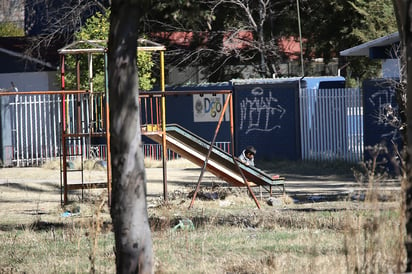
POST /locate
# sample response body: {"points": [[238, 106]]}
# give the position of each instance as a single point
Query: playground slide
{"points": [[220, 163]]}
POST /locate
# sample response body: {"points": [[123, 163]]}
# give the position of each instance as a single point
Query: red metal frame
{"points": [[78, 134]]}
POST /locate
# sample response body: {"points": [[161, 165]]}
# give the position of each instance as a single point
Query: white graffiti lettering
{"points": [[260, 112], [386, 114]]}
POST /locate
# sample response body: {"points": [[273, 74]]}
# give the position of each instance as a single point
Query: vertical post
{"points": [[108, 150], [91, 102], [63, 133], [164, 148], [79, 120], [79, 142], [233, 155], [300, 39]]}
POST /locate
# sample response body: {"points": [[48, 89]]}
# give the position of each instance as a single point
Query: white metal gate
{"points": [[31, 128], [331, 123], [32, 123]]}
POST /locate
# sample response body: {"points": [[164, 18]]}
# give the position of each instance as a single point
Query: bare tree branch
{"points": [[62, 21]]}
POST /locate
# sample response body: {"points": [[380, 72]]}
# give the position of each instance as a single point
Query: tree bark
{"points": [[403, 12], [133, 243]]}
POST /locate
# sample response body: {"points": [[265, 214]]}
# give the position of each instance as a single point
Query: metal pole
{"points": [[63, 126], [164, 147], [108, 149], [233, 155], [300, 39], [79, 120]]}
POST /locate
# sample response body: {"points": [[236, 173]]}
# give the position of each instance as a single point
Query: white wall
{"points": [[30, 81], [390, 68]]}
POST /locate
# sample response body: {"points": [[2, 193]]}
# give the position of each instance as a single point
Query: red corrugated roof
{"points": [[289, 46]]}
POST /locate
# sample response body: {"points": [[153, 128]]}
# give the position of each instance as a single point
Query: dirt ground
{"points": [[29, 192]]}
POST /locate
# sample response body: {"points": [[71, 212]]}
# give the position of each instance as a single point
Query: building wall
{"points": [[30, 81], [12, 11], [194, 75], [390, 68]]}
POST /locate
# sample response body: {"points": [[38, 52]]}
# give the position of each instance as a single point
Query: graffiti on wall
{"points": [[385, 113], [260, 112]]}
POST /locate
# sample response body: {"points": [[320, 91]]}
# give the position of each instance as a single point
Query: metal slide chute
{"points": [[219, 163]]}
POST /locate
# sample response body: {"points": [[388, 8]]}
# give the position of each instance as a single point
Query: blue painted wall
{"points": [[379, 100], [181, 110], [266, 113], [267, 117]]}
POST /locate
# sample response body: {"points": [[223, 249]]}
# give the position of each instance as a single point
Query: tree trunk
{"points": [[403, 12], [128, 210]]}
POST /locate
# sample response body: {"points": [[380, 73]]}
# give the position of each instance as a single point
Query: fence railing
{"points": [[30, 129], [31, 132], [331, 124]]}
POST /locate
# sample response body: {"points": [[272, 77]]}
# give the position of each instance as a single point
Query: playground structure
{"points": [[85, 118], [75, 128], [198, 150], [85, 115], [84, 126]]}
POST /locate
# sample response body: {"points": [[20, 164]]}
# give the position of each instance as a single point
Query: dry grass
{"points": [[339, 237], [228, 235], [240, 239]]}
